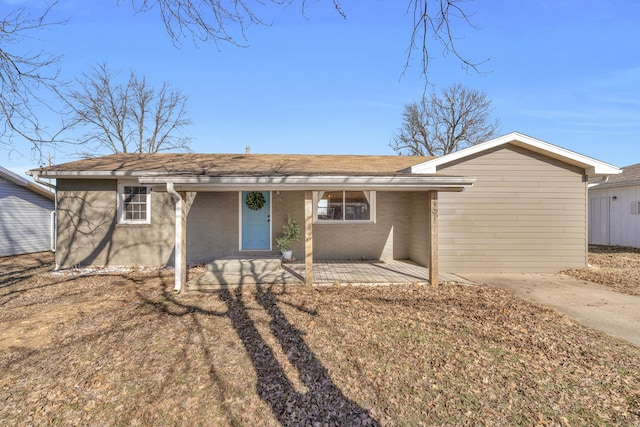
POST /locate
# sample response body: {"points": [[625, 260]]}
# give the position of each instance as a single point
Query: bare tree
{"points": [[28, 80], [129, 117], [441, 124]]}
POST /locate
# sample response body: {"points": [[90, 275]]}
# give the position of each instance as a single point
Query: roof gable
{"points": [[23, 182], [590, 165]]}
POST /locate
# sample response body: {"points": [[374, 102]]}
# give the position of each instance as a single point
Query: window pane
{"points": [[356, 206], [330, 206], [135, 203]]}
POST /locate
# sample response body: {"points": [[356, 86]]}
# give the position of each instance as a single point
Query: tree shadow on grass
{"points": [[323, 403]]}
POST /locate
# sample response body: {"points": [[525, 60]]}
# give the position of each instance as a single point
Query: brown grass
{"points": [[121, 349], [615, 266]]}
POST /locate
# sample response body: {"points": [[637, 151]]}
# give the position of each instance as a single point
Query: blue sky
{"points": [[566, 72]]}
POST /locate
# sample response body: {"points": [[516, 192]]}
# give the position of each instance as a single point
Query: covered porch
{"points": [[311, 269]]}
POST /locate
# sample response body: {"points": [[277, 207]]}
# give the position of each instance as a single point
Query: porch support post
{"points": [[308, 237], [180, 253], [432, 199]]}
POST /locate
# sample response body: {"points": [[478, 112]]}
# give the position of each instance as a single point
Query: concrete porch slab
{"points": [[325, 272]]}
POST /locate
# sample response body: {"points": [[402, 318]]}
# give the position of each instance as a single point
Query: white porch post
{"points": [[432, 199], [308, 237], [180, 253]]}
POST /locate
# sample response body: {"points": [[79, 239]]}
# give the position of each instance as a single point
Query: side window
{"points": [[134, 204], [342, 206]]}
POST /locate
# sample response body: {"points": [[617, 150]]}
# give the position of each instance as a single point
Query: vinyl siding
{"points": [[88, 232], [25, 220], [618, 226], [526, 212]]}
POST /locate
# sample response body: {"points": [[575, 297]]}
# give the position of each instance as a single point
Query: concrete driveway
{"points": [[594, 305]]}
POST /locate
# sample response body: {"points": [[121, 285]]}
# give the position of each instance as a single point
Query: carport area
{"points": [[258, 271]]}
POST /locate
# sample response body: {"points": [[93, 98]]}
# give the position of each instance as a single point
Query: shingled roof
{"points": [[233, 165], [630, 176]]}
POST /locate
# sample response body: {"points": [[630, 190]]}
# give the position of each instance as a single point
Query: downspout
{"points": [[179, 266], [53, 223]]}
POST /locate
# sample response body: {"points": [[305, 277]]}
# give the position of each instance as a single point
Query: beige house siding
{"points": [[526, 212], [88, 233]]}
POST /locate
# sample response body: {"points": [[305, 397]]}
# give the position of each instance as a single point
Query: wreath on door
{"points": [[255, 200]]}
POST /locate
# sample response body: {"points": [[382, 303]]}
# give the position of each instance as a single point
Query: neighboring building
{"points": [[614, 209], [26, 215], [524, 207]]}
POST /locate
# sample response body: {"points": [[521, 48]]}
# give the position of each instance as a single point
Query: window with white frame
{"points": [[635, 207], [343, 206], [134, 204]]}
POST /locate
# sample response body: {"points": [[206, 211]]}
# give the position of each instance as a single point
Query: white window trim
{"points": [[372, 206], [121, 218]]}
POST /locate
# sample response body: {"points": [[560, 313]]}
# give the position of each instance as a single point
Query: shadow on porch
{"points": [[239, 271]]}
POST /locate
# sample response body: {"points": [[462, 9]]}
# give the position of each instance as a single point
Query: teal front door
{"points": [[256, 224]]}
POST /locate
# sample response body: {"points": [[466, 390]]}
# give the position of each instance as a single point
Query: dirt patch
{"points": [[614, 266], [122, 349]]}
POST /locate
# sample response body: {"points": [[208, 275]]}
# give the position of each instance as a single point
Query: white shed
{"points": [[26, 215], [614, 209]]}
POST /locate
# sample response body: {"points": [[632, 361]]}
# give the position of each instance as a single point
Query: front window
{"points": [[334, 206], [134, 204]]}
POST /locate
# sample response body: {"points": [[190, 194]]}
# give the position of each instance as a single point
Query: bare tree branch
{"points": [[441, 124], [27, 79], [219, 21], [129, 117], [437, 23]]}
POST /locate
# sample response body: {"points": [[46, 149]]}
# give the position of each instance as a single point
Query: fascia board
{"points": [[591, 166], [386, 183], [92, 174]]}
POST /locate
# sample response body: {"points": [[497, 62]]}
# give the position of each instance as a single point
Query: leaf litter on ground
{"points": [[122, 349]]}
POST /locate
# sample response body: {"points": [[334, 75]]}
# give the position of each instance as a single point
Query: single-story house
{"points": [[614, 209], [26, 216], [514, 203]]}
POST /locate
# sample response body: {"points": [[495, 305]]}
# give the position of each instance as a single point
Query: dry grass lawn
{"points": [[121, 349], [615, 266]]}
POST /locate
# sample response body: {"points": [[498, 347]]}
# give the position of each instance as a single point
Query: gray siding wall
{"points": [[25, 220], [612, 221], [525, 213], [88, 233]]}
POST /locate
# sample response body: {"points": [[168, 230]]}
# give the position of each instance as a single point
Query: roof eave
{"points": [[302, 182]]}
